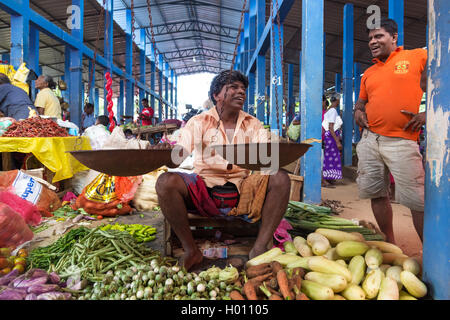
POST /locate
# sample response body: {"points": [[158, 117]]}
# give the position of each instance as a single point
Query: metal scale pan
{"points": [[260, 156]]}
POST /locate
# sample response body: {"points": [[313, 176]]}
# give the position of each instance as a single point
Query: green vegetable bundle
{"points": [[141, 233], [44, 257], [306, 218]]}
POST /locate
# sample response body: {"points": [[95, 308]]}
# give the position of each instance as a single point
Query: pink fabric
{"points": [[281, 234], [69, 196]]}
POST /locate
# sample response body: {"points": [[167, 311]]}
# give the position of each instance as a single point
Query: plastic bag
{"points": [[281, 234], [117, 140], [145, 198], [97, 135], [108, 195], [293, 131], [28, 188], [13, 229], [29, 212]]}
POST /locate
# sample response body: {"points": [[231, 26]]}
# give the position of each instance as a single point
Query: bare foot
{"points": [[189, 260]]}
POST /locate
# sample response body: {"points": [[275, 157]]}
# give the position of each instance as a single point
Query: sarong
{"points": [[332, 167]]}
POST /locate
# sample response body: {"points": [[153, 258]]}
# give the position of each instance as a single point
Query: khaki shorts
{"points": [[377, 156]]}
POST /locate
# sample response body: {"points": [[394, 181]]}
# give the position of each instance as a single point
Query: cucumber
{"points": [[354, 292], [351, 248], [318, 243], [405, 296], [266, 257], [373, 258], [394, 273], [411, 265], [357, 267], [289, 247], [336, 282], [321, 264], [388, 289], [336, 236], [301, 262], [385, 246], [316, 291], [372, 282], [413, 285]]}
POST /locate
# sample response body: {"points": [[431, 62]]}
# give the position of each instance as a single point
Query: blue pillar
{"points": [[96, 101], [436, 247], [108, 44], [66, 77], [160, 85], [176, 97], [396, 12], [311, 97], [290, 110], [246, 55], [91, 92], [337, 82], [76, 71], [142, 62], [300, 106], [347, 75], [172, 83], [166, 89], [267, 105], [129, 94], [20, 29], [120, 102], [260, 63], [276, 78], [357, 86], [33, 58]]}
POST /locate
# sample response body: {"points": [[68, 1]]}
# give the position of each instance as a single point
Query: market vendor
{"points": [[14, 101], [46, 101], [147, 113], [180, 193]]}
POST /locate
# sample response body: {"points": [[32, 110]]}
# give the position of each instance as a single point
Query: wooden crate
{"points": [[296, 187]]}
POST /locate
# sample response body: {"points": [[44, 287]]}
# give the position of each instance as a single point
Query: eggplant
{"points": [[37, 273], [54, 295], [42, 288], [31, 296], [54, 278], [13, 294], [25, 283], [6, 279], [17, 281]]}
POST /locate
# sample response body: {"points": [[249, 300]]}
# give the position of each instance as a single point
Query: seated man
{"points": [[14, 101], [179, 192]]}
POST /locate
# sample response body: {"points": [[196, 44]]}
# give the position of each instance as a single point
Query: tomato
{"points": [[20, 260], [99, 217], [5, 252], [3, 263], [11, 260], [22, 253], [19, 267], [5, 271]]}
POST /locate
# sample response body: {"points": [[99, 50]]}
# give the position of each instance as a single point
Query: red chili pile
{"points": [[35, 127]]}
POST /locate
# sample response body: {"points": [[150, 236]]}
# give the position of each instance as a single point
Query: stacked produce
{"points": [[343, 266], [305, 218], [141, 233], [35, 284], [35, 127], [9, 262], [159, 281]]}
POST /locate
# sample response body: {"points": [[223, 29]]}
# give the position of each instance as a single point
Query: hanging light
{"points": [[193, 59]]}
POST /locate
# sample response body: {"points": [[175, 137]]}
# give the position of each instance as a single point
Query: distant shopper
{"points": [[46, 101], [88, 116], [331, 124], [14, 101], [388, 112], [147, 113]]}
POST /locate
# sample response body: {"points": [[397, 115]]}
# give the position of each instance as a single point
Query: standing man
{"points": [[147, 113], [388, 113], [225, 123], [88, 117], [46, 101]]}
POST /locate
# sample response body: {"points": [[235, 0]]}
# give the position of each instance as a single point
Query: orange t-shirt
{"points": [[391, 86], [201, 131]]}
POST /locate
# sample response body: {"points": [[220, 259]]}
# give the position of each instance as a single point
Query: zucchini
{"points": [[384, 246], [388, 289], [331, 254], [373, 258], [405, 296], [300, 262], [302, 247], [411, 265], [351, 248], [266, 257], [357, 267], [413, 285], [394, 273], [316, 291], [342, 262], [289, 247], [321, 264], [338, 297], [372, 282], [336, 282], [336, 236], [318, 243], [354, 292], [286, 258]]}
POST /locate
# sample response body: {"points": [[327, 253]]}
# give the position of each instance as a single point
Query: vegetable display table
{"points": [[51, 152]]}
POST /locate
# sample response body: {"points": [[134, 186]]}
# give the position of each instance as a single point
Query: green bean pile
{"points": [[103, 250]]}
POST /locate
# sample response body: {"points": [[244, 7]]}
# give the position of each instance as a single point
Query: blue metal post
{"points": [[33, 58], [172, 83], [246, 56], [108, 44], [311, 96], [142, 62], [160, 86], [76, 71], [66, 76], [436, 247], [290, 110], [396, 12], [96, 101], [176, 97], [276, 78], [337, 82], [91, 92], [129, 94], [152, 75], [347, 75], [252, 38], [166, 88], [357, 86], [120, 102], [20, 27], [300, 88], [267, 106], [260, 63]]}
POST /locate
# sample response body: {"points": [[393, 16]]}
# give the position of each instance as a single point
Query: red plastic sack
{"points": [[13, 229], [29, 212], [30, 189]]}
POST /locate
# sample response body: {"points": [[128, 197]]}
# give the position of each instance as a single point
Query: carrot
{"points": [[235, 295], [272, 283], [298, 271], [258, 270], [283, 283], [260, 278], [296, 281], [275, 297], [250, 291], [301, 296], [276, 266]]}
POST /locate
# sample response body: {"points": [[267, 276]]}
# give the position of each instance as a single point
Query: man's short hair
{"points": [[89, 105], [4, 79], [389, 25], [224, 78], [145, 99], [103, 120]]}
